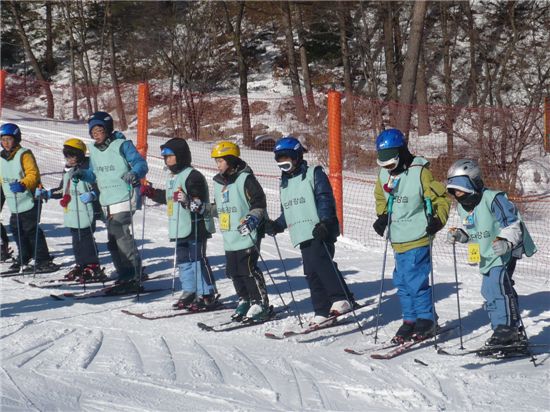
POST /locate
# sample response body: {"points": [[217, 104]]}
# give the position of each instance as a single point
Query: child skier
{"points": [[117, 167], [20, 177], [499, 238], [309, 211], [79, 217], [419, 209], [241, 209], [189, 225]]}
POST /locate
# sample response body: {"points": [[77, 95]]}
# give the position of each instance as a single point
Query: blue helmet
{"points": [[11, 129], [288, 146], [390, 139], [102, 119]]}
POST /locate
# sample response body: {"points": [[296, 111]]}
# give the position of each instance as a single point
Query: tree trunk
{"points": [[36, 67], [391, 78], [85, 60], [50, 64], [411, 66], [304, 62], [235, 32], [447, 79], [122, 125], [72, 48], [343, 25], [423, 113], [292, 64]]}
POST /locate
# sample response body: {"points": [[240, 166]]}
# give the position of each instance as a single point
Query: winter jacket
{"points": [[324, 198], [31, 180]]}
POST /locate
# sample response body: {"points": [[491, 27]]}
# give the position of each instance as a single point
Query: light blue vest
{"points": [[11, 171], [85, 214], [232, 206], [483, 228], [299, 208], [408, 218], [109, 166]]}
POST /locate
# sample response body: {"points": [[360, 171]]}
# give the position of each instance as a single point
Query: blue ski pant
{"points": [[411, 278], [501, 299], [193, 268]]}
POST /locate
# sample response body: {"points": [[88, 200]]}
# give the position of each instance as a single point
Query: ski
{"points": [[407, 346], [495, 350], [172, 313], [330, 322], [103, 293], [233, 325], [364, 351], [56, 283]]}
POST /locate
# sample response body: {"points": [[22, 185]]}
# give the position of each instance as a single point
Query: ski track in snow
{"points": [[87, 355]]}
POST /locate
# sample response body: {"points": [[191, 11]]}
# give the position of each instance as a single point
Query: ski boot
{"points": [[404, 333], [93, 273], [185, 300], [258, 312], [127, 286], [74, 274], [339, 308], [47, 267], [241, 310], [424, 329], [6, 253], [320, 321]]}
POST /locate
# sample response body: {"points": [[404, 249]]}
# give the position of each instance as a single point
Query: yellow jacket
{"points": [[31, 178]]}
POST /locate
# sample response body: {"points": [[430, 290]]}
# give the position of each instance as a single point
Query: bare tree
{"points": [[304, 60], [344, 24], [50, 64], [447, 73], [424, 127], [32, 58], [122, 124], [235, 32], [411, 65], [292, 64], [391, 78]]}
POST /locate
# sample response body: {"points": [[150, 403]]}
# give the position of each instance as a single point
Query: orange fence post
{"points": [[547, 124], [142, 118], [3, 75], [335, 152]]}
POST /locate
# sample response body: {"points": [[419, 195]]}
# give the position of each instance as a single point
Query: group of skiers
{"points": [[410, 204]]}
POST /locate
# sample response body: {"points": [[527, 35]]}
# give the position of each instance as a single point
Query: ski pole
{"points": [[288, 281], [429, 212], [522, 325], [390, 209], [196, 236], [268, 272], [18, 234], [457, 296], [38, 207], [136, 274], [175, 247], [343, 286], [204, 260], [77, 210]]}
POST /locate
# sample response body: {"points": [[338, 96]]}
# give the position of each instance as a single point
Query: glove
{"points": [[17, 187], [501, 246], [87, 197], [147, 190], [272, 228], [434, 225], [321, 232], [65, 200], [196, 206], [380, 224], [42, 194], [181, 197], [457, 235], [130, 178], [248, 224]]}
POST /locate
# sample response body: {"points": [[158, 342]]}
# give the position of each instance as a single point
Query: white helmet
{"points": [[465, 175]]}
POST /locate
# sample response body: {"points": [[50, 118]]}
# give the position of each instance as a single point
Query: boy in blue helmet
{"points": [[19, 178], [309, 212], [419, 209], [117, 167], [189, 224], [498, 237]]}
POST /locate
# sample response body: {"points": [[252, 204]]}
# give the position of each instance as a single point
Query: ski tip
{"points": [[352, 351], [441, 351], [271, 335], [56, 297], [204, 326], [420, 362]]}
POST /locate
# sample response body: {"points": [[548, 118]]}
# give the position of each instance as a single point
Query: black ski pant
{"points": [[4, 235], [29, 229], [325, 284], [122, 246], [248, 280], [84, 246]]}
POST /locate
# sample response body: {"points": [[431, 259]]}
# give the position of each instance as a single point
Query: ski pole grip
{"points": [[429, 208], [390, 204]]}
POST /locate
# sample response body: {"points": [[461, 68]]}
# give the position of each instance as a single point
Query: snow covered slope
{"points": [[88, 355]]}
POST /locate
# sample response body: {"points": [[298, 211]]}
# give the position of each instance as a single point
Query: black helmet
{"points": [[102, 119], [180, 148]]}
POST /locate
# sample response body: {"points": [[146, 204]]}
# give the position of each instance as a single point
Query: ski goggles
{"points": [[166, 151], [285, 166]]}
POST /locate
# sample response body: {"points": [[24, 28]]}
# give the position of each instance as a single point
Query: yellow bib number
{"points": [[170, 207], [474, 256], [225, 224]]}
